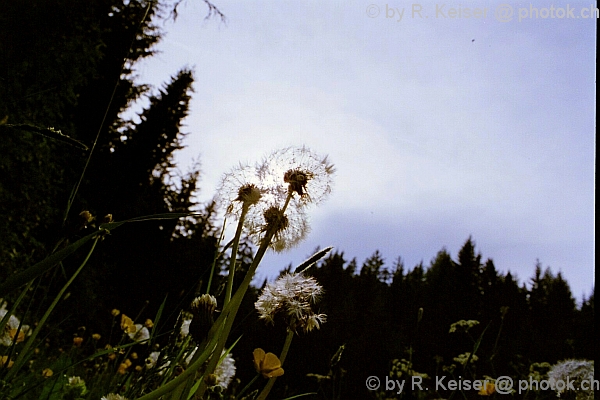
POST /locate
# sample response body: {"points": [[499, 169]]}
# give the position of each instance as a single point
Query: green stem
{"points": [[214, 264], [286, 347], [234, 250]]}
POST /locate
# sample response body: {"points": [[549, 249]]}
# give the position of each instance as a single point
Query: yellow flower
{"points": [[487, 389], [5, 362], [267, 364], [47, 372], [20, 337], [127, 324]]}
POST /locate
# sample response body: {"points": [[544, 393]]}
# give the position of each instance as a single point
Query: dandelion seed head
{"points": [[575, 371], [291, 297], [225, 371], [290, 227], [297, 170], [238, 188]]}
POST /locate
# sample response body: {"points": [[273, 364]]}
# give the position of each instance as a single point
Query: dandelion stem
{"points": [[286, 347], [214, 264], [234, 250], [235, 304]]}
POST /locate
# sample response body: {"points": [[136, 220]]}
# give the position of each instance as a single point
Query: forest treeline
{"points": [[381, 313], [67, 77]]}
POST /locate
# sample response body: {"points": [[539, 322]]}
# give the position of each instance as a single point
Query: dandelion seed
{"points": [[290, 297]]}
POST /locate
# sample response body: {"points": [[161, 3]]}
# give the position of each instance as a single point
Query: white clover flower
{"points": [[141, 334], [291, 296], [575, 371]]}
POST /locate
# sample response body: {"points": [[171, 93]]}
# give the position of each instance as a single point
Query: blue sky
{"points": [[439, 128]]}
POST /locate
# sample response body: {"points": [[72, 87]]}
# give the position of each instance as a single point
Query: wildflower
{"points": [[225, 371], [5, 362], [75, 381], [463, 325], [141, 333], [75, 387], [11, 332], [113, 396], [115, 312], [487, 389], [462, 358], [291, 296], [152, 359], [297, 170], [148, 324], [127, 324], [123, 366], [47, 373], [96, 336], [576, 372], [77, 341], [267, 364]]}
